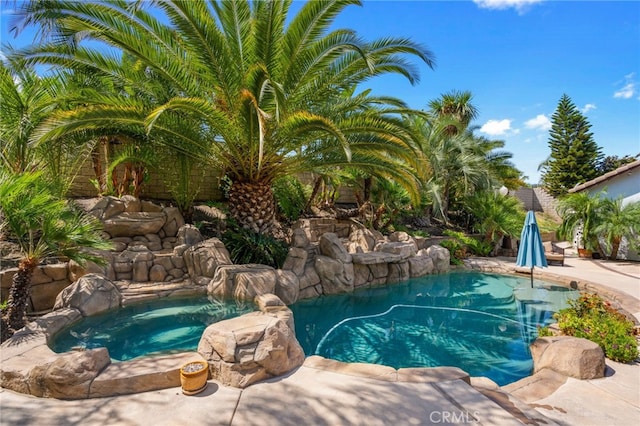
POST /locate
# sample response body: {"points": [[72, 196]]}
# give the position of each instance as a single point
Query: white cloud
{"points": [[588, 107], [629, 89], [540, 122], [520, 5], [496, 127]]}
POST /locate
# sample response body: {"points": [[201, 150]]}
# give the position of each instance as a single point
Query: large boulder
{"points": [[363, 240], [296, 260], [570, 356], [331, 246], [174, 221], [249, 284], [404, 249], [299, 238], [440, 256], [420, 266], [335, 276], [287, 286], [130, 224], [203, 259], [70, 375], [91, 295], [250, 348], [188, 235], [225, 281]]}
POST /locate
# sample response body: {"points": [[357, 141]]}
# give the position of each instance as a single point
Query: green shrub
{"points": [[544, 331], [592, 318], [291, 197], [245, 246], [457, 251], [471, 245]]}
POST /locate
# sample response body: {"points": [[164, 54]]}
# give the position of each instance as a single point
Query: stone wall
{"points": [[152, 244], [46, 282], [537, 199]]}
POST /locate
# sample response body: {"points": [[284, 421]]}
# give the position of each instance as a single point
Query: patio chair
{"points": [[553, 253]]}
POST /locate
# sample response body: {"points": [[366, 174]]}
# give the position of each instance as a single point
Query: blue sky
{"points": [[517, 58]]}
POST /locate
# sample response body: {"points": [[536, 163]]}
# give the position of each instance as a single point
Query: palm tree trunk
{"points": [[615, 246], [18, 297], [314, 193], [252, 205]]}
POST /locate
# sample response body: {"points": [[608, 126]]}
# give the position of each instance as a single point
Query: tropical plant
{"points": [[255, 92], [618, 221], [592, 318], [449, 164], [246, 246], [468, 244], [495, 216], [575, 155], [457, 107], [585, 211], [43, 225], [291, 197], [27, 101]]}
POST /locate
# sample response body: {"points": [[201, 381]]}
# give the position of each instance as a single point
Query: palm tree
{"points": [[619, 221], [585, 211], [450, 164], [457, 107], [495, 216], [257, 94], [43, 225]]}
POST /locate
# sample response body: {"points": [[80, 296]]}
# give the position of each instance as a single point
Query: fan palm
{"points": [[43, 225], [256, 93]]}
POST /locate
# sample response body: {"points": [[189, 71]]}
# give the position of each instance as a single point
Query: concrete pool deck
{"points": [[317, 397]]}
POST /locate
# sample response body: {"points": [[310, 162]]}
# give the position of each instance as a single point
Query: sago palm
{"points": [[256, 92], [42, 225]]}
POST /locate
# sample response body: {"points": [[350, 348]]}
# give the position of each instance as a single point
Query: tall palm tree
{"points": [[255, 92], [455, 106], [43, 225], [451, 164]]}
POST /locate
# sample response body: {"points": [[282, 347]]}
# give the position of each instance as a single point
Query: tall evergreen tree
{"points": [[575, 155]]}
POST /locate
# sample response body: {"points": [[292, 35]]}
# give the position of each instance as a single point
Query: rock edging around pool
{"points": [[259, 345], [240, 351]]}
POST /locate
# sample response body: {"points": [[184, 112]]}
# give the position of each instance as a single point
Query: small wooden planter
{"points": [[193, 377]]}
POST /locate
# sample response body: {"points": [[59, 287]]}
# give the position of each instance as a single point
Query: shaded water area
{"points": [[159, 326], [481, 323]]}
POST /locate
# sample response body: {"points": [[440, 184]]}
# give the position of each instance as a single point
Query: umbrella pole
{"points": [[532, 277]]}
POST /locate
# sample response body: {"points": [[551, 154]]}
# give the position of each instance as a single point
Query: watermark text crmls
{"points": [[453, 417]]}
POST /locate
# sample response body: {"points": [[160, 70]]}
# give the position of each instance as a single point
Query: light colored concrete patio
{"points": [[309, 396]]}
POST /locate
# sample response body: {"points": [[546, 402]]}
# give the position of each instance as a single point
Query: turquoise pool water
{"points": [[159, 326], [481, 323]]}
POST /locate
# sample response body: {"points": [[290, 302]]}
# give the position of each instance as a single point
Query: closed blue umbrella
{"points": [[531, 250]]}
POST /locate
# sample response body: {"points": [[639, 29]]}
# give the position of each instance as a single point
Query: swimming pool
{"points": [[158, 326], [481, 323]]}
